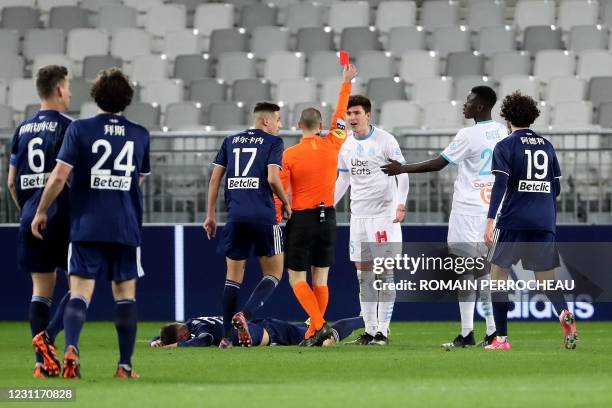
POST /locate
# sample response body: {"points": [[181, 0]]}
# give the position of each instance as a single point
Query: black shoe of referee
{"points": [[363, 340], [318, 338]]}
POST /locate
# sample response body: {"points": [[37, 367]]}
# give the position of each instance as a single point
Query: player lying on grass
{"points": [[208, 331]]}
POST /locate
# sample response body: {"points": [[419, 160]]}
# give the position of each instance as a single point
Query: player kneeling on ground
{"points": [[208, 331], [108, 157], [527, 181]]}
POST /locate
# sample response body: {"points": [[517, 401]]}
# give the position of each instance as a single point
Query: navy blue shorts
{"points": [[240, 238], [284, 333], [536, 249], [42, 256], [255, 329], [117, 262]]}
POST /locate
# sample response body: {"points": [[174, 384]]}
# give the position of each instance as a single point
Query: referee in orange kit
{"points": [[309, 173]]}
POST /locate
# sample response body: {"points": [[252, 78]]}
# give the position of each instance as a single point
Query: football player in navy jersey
{"points": [[251, 161], [526, 185], [35, 146], [208, 331], [107, 157]]}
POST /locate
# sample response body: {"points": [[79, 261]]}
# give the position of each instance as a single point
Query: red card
{"points": [[344, 58]]}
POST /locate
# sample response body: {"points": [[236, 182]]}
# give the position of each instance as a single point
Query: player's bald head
{"points": [[310, 120]]}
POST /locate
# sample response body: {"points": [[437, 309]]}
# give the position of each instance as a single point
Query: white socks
{"points": [[368, 301], [484, 296], [386, 302]]}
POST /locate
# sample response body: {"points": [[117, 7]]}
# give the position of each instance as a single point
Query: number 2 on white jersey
{"points": [[127, 153]]}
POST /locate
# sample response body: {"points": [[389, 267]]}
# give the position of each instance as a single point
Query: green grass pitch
{"points": [[412, 371]]}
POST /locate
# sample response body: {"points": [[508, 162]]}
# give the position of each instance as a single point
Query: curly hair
{"points": [[112, 90], [519, 110]]}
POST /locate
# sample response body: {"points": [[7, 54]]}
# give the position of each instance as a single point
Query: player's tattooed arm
{"points": [[393, 168], [210, 223], [12, 185], [55, 185]]}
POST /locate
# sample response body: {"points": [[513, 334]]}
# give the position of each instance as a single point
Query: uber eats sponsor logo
{"points": [[30, 181], [234, 183], [360, 167]]}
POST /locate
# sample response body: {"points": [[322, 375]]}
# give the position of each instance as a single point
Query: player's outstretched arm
{"points": [[55, 185], [210, 223], [393, 168], [12, 185]]}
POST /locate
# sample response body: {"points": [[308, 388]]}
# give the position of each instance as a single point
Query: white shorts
{"points": [[466, 234], [367, 235]]}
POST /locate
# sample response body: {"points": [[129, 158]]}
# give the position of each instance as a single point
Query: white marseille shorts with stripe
{"points": [[466, 235], [239, 239], [118, 262], [374, 237]]}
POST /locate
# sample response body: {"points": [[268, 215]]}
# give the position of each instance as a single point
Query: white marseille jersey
{"points": [[472, 151], [373, 193]]}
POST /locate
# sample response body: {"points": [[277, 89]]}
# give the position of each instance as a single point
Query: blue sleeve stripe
{"points": [[13, 160], [447, 159], [404, 162], [344, 170]]}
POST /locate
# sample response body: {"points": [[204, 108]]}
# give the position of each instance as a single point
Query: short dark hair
{"points": [[48, 78], [112, 90], [520, 110], [266, 107], [310, 118], [485, 94], [169, 333], [360, 100]]}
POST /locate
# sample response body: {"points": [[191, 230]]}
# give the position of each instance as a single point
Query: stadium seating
{"points": [[534, 13], [250, 91], [325, 109], [68, 17], [43, 41], [375, 64], [11, 66], [419, 64], [587, 37], [485, 14], [293, 91], [403, 39], [549, 49], [6, 118], [114, 16], [184, 41], [9, 41], [436, 14], [392, 14], [163, 92], [400, 114], [312, 39], [495, 39], [227, 40], [164, 18], [191, 67], [148, 115], [269, 39], [183, 116], [207, 91], [227, 115], [442, 115]]}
